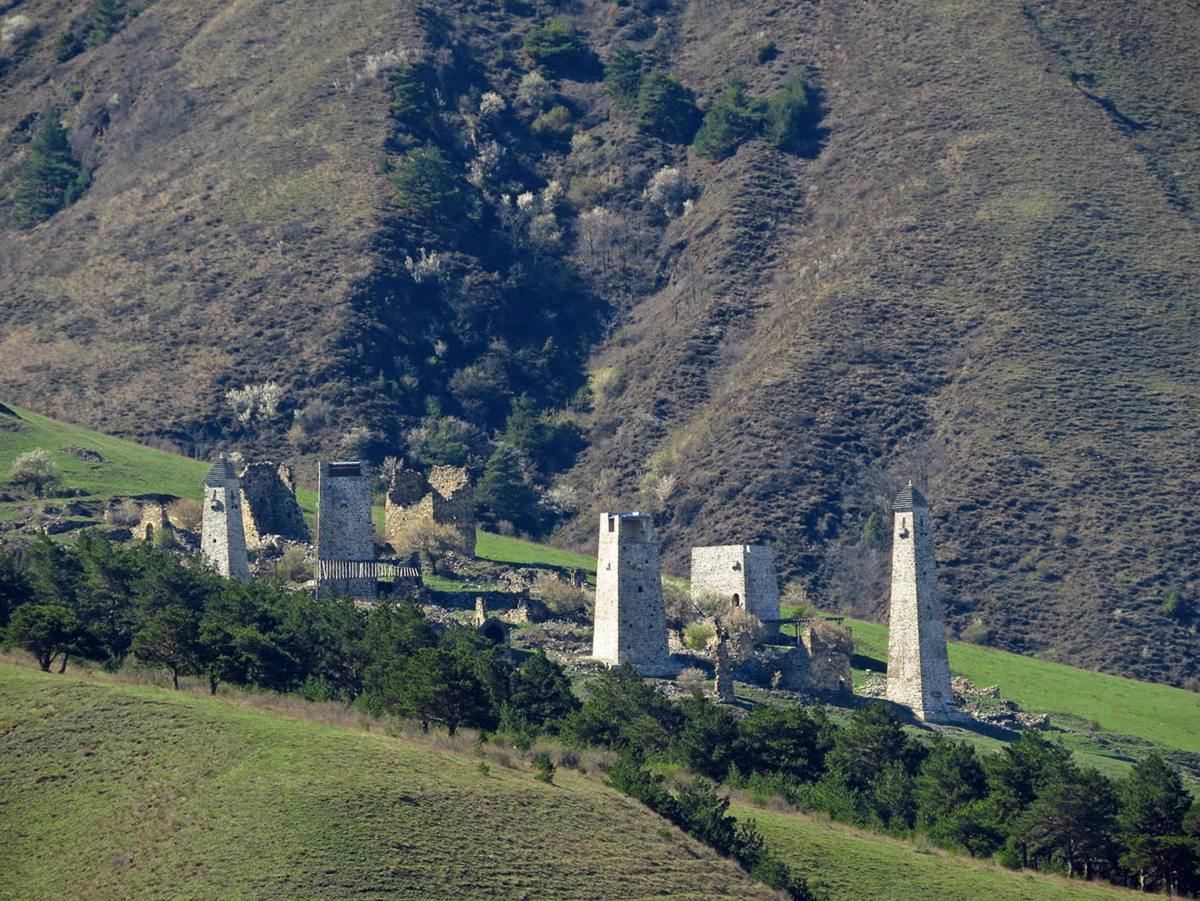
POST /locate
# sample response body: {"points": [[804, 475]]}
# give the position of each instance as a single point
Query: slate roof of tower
{"points": [[908, 498], [220, 472]]}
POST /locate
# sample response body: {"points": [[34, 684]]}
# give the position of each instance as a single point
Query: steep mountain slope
{"points": [[230, 221], [990, 287], [984, 278]]}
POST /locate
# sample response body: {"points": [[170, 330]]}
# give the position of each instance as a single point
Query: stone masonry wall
{"points": [[918, 668], [445, 498], [222, 538], [345, 530], [745, 573], [829, 650], [269, 504], [630, 622]]}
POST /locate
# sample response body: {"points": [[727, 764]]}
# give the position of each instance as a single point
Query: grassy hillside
{"points": [[114, 791], [1164, 716], [131, 468], [851, 864]]}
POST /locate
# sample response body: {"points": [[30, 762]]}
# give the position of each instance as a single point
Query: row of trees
{"points": [[662, 106], [1028, 805]]}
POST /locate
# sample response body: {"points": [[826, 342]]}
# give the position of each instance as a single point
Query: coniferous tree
{"points": [[665, 108], [502, 492], [623, 76], [732, 121], [50, 178], [107, 18]]}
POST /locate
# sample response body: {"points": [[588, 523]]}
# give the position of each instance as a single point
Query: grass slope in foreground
{"points": [[118, 791], [850, 865]]}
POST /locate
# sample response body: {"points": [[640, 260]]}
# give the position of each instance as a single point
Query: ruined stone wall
{"points": [[745, 573], [630, 622], [154, 518], [222, 538], [345, 530], [269, 504], [444, 498], [918, 668], [829, 650]]}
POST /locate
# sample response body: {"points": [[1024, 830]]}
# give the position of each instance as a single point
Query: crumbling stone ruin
{"points": [[744, 573], [820, 664], [269, 504], [829, 648], [222, 539], [918, 667], [444, 498], [723, 672], [345, 532], [154, 519], [630, 621]]}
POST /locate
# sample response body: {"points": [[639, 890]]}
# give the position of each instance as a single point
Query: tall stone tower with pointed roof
{"points": [[222, 538], [918, 669], [630, 622]]}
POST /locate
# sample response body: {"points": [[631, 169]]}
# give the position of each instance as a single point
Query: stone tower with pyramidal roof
{"points": [[918, 670], [222, 538]]}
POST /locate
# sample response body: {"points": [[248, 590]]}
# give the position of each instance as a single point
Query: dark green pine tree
{"points": [[502, 492], [50, 178], [623, 76], [107, 18]]}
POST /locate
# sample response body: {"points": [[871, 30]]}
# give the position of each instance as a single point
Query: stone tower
{"points": [[918, 669], [744, 573], [345, 531], [630, 623], [222, 538]]}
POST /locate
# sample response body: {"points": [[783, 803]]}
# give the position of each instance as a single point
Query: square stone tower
{"points": [[345, 531], [744, 573], [222, 539], [918, 669], [630, 622]]}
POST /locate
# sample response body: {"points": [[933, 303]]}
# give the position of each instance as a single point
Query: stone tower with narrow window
{"points": [[744, 573], [631, 623], [918, 669], [222, 538]]}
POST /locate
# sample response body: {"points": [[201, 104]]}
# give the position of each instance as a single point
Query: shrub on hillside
{"points": [[976, 633], [698, 635], [554, 126], [428, 541], [534, 91], [259, 401], [559, 595], [425, 183], [34, 468], [186, 513], [1177, 606], [790, 116], [665, 108], [669, 190], [733, 120], [555, 46], [765, 52], [126, 513]]}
